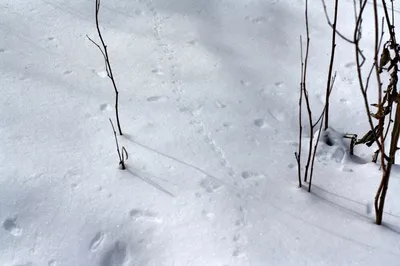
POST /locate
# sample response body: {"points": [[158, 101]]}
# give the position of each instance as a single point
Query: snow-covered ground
{"points": [[208, 107]]}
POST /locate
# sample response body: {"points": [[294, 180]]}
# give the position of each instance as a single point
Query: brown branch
{"points": [[319, 135], [382, 190], [314, 153], [333, 46], [307, 100], [298, 153], [333, 25], [121, 157], [390, 26], [341, 35], [104, 52], [381, 120], [359, 73], [373, 65], [355, 11], [325, 106], [381, 193]]}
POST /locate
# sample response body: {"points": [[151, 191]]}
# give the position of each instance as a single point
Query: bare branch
{"points": [[307, 100], [333, 46], [333, 25], [298, 153], [104, 52], [325, 106]]}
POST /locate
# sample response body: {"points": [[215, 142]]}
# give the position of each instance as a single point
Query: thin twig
{"points": [[306, 93], [314, 154], [333, 46], [378, 78], [318, 137], [382, 190], [333, 25], [121, 157], [359, 72], [104, 52], [325, 107], [298, 154]]}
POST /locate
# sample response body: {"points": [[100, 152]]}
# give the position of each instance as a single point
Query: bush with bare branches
{"points": [[386, 117]]}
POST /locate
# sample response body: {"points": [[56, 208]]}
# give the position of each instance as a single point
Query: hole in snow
{"points": [[10, 226], [116, 256], [327, 140], [260, 123]]}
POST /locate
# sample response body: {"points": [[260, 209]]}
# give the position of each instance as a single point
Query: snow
{"points": [[209, 94]]}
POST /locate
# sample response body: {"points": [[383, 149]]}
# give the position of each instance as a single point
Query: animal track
{"points": [[210, 185], [101, 74], [158, 71], [105, 107], [251, 175], [116, 256], [236, 238], [347, 169], [11, 226], [192, 42], [246, 174], [291, 166], [227, 125], [220, 105], [245, 83], [237, 252], [207, 214], [161, 98], [68, 72], [165, 50], [97, 241], [278, 116], [207, 137], [256, 20], [350, 64], [2, 50], [260, 122], [144, 215], [349, 80]]}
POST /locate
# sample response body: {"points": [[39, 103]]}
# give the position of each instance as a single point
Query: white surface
{"points": [[209, 93]]}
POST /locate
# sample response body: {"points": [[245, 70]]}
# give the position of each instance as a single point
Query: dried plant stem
{"points": [[305, 93], [298, 153], [333, 46], [110, 75], [382, 190], [120, 153]]}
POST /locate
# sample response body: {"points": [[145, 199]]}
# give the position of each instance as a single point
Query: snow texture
{"points": [[208, 108]]}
